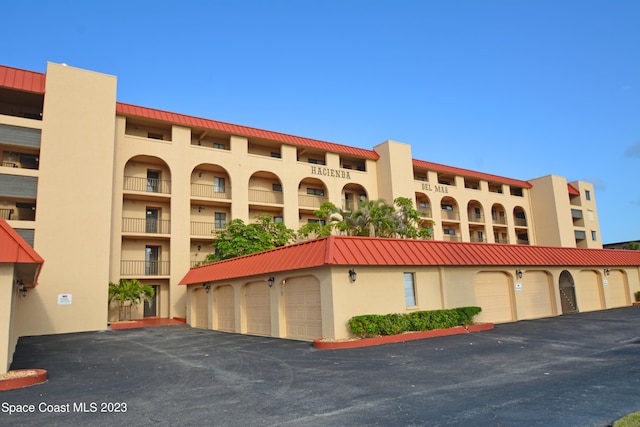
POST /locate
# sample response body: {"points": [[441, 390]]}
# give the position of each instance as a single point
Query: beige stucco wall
{"points": [[380, 290], [8, 336], [73, 222]]}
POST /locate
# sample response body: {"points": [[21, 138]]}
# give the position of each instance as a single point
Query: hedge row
{"points": [[372, 325]]}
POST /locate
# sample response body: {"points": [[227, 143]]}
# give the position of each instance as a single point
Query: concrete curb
{"points": [[38, 377], [320, 344]]}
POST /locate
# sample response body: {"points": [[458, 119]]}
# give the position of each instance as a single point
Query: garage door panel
{"points": [[534, 299], [588, 291], [201, 308], [303, 308], [615, 293], [225, 309], [492, 294], [258, 309]]}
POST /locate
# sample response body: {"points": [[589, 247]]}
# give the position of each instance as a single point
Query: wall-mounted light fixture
{"points": [[519, 274], [199, 173], [270, 281], [21, 287], [207, 287], [352, 275], [199, 247], [607, 272], [200, 209]]}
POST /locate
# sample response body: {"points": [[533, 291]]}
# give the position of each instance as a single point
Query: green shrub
{"points": [[371, 325]]}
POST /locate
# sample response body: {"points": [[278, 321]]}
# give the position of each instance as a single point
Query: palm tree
{"points": [[130, 291]]}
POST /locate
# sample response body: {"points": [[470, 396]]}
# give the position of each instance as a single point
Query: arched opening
{"points": [[568, 293]]}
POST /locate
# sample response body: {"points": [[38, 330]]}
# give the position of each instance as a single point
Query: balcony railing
{"points": [[210, 191], [206, 228], [453, 215], [6, 213], [478, 239], [311, 201], [144, 225], [505, 241], [473, 217], [144, 268], [425, 212], [263, 196], [149, 185], [520, 222], [451, 238], [522, 242], [500, 220]]}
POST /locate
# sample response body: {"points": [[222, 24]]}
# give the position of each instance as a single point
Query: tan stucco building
{"points": [[105, 190]]}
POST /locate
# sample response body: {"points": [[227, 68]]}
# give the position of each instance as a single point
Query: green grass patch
{"points": [[631, 420]]}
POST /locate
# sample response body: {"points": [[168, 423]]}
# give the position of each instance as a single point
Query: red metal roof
{"points": [[353, 251], [15, 78], [472, 174], [149, 113], [573, 191], [14, 249]]}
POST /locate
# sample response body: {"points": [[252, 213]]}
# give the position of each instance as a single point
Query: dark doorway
{"points": [[150, 307], [568, 293]]}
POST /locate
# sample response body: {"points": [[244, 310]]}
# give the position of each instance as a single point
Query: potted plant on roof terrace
{"points": [[129, 292]]}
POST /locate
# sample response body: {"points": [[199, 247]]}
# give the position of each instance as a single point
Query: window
{"points": [[218, 185], [594, 236], [276, 155], [447, 207], [221, 220], [409, 290], [317, 221], [276, 187], [449, 231], [476, 211], [278, 219], [587, 194], [218, 146], [316, 161], [153, 181], [153, 135], [315, 191]]}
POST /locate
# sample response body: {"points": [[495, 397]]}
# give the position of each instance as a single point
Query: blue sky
{"points": [[516, 88]]}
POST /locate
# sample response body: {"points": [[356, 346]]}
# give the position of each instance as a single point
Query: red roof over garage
{"points": [[353, 251], [15, 250]]}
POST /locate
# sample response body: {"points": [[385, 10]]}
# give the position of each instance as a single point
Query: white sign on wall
{"points": [[64, 299]]}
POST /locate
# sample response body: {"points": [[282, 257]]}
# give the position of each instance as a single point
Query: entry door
{"points": [[150, 307], [152, 220], [153, 181], [152, 256]]}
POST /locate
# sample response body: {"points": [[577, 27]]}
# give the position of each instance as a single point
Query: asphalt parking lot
{"points": [[578, 370]]}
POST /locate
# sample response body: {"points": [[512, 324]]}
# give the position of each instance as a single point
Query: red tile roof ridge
{"points": [[125, 108], [470, 173]]}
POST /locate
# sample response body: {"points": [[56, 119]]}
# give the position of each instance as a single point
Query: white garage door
{"points": [[588, 291], [200, 304], [533, 300], [225, 309], [492, 294], [258, 308], [303, 311], [615, 293]]}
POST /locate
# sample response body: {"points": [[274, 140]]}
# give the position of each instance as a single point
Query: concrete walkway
{"points": [[578, 370]]}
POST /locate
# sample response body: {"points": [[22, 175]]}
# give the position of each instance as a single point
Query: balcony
{"points": [[6, 214], [450, 215], [148, 185], [310, 201], [206, 229], [264, 196], [425, 212], [211, 191], [144, 268], [520, 222], [143, 225], [476, 217], [500, 220]]}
